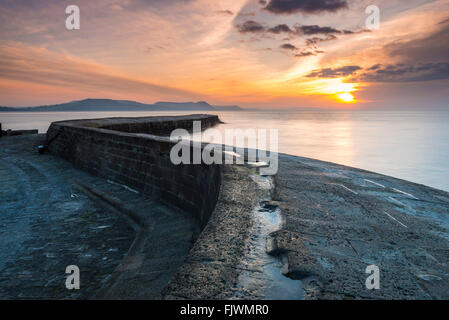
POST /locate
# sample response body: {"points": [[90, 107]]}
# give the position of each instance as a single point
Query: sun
{"points": [[346, 97], [335, 88]]}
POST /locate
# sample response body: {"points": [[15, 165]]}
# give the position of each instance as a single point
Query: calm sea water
{"points": [[412, 145]]}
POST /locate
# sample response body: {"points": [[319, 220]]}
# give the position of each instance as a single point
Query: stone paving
{"points": [[339, 220], [46, 224], [126, 244]]}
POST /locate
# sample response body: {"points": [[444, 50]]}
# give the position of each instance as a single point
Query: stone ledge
{"points": [[98, 146]]}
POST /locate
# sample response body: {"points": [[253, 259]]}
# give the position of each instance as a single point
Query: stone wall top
{"points": [[136, 152]]}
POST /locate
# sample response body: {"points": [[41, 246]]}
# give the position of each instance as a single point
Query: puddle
{"points": [[261, 276], [278, 286]]}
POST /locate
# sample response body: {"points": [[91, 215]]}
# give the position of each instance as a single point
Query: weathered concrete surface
{"points": [[46, 224], [164, 237], [53, 215], [213, 265], [339, 220]]}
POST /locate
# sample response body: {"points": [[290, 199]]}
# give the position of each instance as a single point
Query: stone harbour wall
{"points": [[136, 152]]}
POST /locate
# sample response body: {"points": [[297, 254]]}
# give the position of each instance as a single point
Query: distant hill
{"points": [[200, 105], [228, 108], [119, 105]]}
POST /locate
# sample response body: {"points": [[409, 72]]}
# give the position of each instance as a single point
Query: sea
{"points": [[411, 145]]}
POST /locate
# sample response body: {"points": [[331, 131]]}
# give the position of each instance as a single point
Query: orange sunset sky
{"points": [[267, 54]]}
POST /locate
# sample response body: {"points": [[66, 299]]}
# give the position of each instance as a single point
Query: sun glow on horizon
{"points": [[346, 97], [336, 89]]}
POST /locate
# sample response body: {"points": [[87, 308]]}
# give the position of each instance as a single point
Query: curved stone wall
{"points": [[136, 152]]}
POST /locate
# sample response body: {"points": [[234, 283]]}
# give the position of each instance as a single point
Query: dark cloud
{"points": [[307, 30], [288, 46], [280, 28], [326, 33], [315, 40], [307, 53], [314, 29], [304, 54], [402, 72], [305, 6], [334, 73], [256, 27], [250, 27]]}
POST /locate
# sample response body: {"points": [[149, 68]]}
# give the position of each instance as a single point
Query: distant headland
{"points": [[121, 105]]}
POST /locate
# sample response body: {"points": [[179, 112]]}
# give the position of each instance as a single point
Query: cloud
{"points": [[401, 72], [288, 46], [305, 6], [315, 40], [327, 34], [302, 53], [33, 65], [307, 53], [334, 73], [280, 28], [422, 59], [315, 29], [250, 27], [431, 48], [298, 30]]}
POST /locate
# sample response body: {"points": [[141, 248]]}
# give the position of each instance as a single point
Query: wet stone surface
{"points": [[339, 220], [47, 224], [262, 269], [261, 275]]}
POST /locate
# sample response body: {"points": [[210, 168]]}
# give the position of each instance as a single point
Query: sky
{"points": [[251, 53]]}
